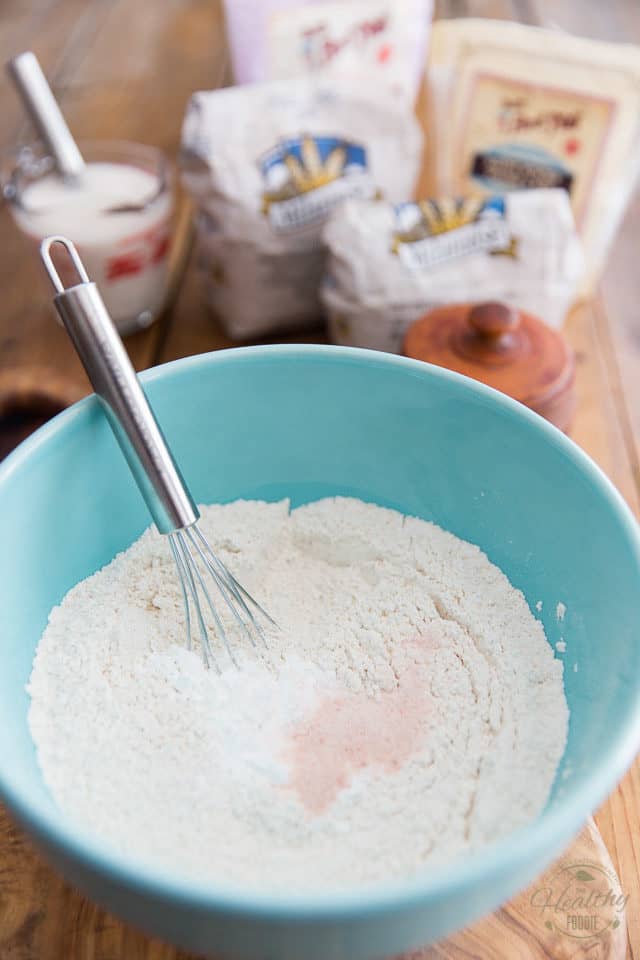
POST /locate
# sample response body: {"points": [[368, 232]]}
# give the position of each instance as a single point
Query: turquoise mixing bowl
{"points": [[307, 422]]}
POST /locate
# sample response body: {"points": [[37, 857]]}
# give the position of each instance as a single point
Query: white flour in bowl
{"points": [[409, 710]]}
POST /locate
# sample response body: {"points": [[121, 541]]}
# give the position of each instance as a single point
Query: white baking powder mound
{"points": [[409, 709]]}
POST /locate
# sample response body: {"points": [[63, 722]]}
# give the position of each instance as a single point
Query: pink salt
{"points": [[348, 733]]}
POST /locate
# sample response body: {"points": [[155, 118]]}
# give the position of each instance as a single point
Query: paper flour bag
{"points": [[266, 164], [279, 39], [387, 265], [388, 38]]}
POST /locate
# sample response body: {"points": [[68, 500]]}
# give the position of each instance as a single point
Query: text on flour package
{"points": [[279, 39], [266, 164], [516, 107], [388, 264]]}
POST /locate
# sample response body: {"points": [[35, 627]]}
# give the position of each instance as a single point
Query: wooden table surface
{"points": [[124, 70]]}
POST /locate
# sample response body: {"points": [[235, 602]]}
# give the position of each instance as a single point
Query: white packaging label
{"points": [[432, 232], [387, 38], [313, 207], [472, 238]]}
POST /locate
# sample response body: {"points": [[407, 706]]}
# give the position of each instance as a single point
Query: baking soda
{"points": [[408, 711]]}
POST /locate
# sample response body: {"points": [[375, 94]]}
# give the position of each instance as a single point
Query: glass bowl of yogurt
{"points": [[119, 215]]}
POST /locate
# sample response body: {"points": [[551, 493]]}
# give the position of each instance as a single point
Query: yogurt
{"points": [[119, 217]]}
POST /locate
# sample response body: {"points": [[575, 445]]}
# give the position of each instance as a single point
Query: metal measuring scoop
{"points": [[42, 107]]}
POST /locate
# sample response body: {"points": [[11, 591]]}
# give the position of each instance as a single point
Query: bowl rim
{"points": [[544, 836]]}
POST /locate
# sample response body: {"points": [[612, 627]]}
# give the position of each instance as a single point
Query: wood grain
{"points": [[41, 918], [518, 930], [116, 76]]}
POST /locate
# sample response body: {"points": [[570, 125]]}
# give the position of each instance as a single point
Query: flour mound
{"points": [[408, 711]]}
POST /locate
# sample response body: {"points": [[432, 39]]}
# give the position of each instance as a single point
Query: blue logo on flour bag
{"points": [[306, 177], [433, 231]]}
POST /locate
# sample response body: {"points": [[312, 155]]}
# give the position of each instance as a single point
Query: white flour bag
{"points": [[266, 164], [388, 265], [387, 38], [279, 39]]}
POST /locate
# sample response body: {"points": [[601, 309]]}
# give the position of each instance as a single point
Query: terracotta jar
{"points": [[507, 349]]}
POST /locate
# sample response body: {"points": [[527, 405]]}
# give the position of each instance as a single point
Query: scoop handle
{"points": [[42, 107], [114, 380]]}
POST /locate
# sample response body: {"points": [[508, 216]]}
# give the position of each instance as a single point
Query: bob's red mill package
{"points": [[517, 107]]}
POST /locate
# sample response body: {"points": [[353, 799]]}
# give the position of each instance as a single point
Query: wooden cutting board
{"points": [[91, 51], [41, 918]]}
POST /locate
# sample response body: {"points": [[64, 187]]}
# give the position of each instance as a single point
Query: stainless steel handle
{"points": [[41, 105], [114, 380]]}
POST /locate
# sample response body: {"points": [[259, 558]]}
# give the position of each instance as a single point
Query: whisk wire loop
{"points": [[242, 597], [193, 566], [194, 560], [185, 570], [185, 595], [220, 580], [239, 592]]}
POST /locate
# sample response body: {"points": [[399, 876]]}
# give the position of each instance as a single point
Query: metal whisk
{"points": [[174, 512]]}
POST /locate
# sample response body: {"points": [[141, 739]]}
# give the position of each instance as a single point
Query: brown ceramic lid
{"points": [[507, 349]]}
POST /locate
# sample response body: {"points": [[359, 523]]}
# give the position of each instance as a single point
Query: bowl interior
{"points": [[304, 423]]}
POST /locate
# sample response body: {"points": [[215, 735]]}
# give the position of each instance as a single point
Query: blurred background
{"points": [[127, 72]]}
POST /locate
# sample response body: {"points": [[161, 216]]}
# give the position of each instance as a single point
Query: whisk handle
{"points": [[114, 380]]}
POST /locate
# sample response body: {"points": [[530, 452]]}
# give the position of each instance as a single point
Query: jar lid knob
{"points": [[492, 320]]}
